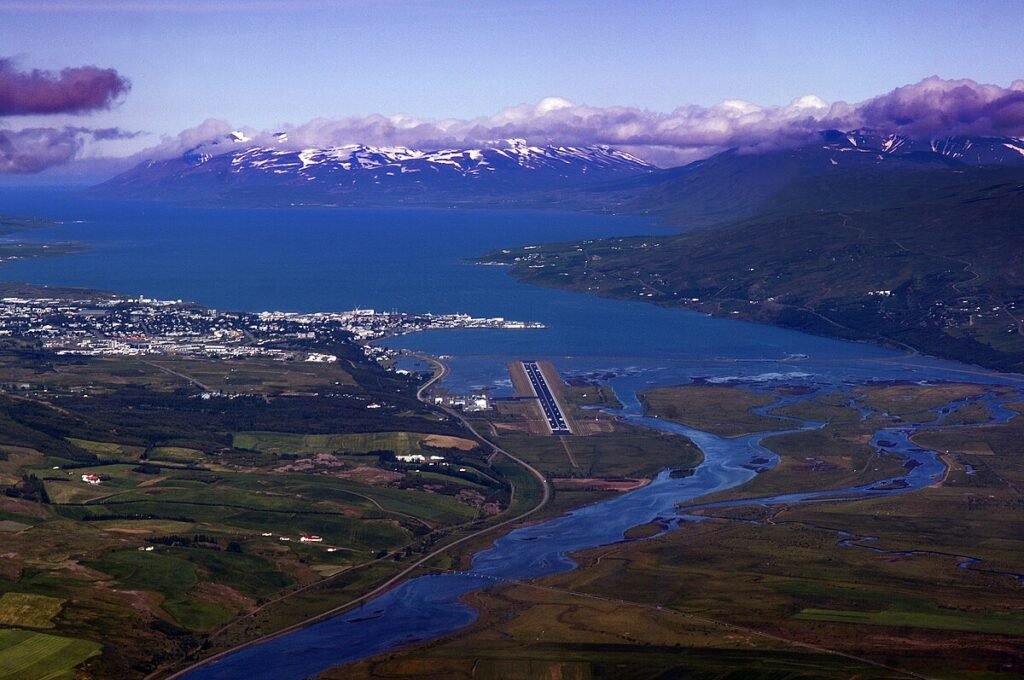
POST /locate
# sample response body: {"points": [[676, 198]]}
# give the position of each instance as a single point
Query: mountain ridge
{"points": [[732, 184], [356, 174]]}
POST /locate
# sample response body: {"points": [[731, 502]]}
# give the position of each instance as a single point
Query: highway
{"points": [[548, 403]]}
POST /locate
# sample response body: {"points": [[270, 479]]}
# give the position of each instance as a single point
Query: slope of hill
{"points": [[919, 251], [845, 171]]}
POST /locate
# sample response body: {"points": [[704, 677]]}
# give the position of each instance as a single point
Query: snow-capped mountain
{"points": [[966, 149], [234, 169], [358, 174]]}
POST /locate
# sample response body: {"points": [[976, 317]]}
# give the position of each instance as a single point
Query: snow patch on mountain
{"points": [[402, 160], [974, 150], [354, 172]]}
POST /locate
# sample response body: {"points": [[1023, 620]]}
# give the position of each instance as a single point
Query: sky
{"points": [[264, 65]]}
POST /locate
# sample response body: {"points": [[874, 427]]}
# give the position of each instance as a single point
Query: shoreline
{"points": [[854, 335]]}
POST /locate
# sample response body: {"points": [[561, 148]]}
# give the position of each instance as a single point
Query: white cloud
{"points": [[933, 107]]}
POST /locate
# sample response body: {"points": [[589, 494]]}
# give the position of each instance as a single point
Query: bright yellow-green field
{"points": [[30, 611], [176, 454], [108, 450], [24, 655], [309, 444]]}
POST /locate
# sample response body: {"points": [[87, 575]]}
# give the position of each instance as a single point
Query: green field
{"points": [[176, 454], [909, 619], [528, 490], [25, 655], [174, 575], [28, 611], [196, 615], [250, 575], [525, 632], [148, 571], [627, 452], [400, 443], [108, 450], [839, 454], [914, 403], [721, 410]]}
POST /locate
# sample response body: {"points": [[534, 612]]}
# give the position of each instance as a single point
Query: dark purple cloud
{"points": [[33, 150], [935, 107], [72, 90]]}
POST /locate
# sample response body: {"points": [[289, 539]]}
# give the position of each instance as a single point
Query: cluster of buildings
{"points": [[303, 538], [470, 403], [429, 461], [966, 312], [118, 326]]}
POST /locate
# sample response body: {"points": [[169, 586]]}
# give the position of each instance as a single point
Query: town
{"points": [[136, 326]]}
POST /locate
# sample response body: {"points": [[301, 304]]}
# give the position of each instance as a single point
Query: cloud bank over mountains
{"points": [[77, 90], [933, 107], [35, 149]]}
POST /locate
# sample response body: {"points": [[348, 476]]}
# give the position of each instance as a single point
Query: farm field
{"points": [[42, 657], [28, 611], [145, 517], [402, 443]]}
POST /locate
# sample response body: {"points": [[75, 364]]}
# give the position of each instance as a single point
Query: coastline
{"points": [[800, 319]]}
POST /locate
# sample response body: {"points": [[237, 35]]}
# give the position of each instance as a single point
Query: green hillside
{"points": [[924, 255]]}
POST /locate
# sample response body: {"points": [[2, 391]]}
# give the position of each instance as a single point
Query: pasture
{"points": [[28, 611], [41, 657]]}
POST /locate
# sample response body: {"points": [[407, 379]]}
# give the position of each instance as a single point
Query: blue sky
{"points": [[264, 63]]}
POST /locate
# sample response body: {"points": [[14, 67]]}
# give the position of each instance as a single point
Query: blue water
{"points": [[307, 259], [416, 260], [313, 259]]}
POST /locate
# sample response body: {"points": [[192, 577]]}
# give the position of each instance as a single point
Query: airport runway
{"points": [[555, 419]]}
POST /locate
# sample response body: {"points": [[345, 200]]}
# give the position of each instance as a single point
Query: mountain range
{"points": [[233, 170], [361, 175]]}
